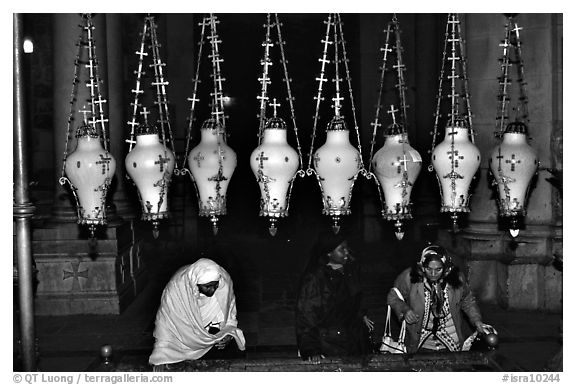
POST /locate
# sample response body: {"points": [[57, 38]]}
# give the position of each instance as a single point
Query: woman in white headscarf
{"points": [[197, 312]]}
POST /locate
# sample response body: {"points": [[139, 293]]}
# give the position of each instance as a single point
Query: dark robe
{"points": [[329, 313]]}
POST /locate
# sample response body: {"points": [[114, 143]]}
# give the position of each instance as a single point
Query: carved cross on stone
{"points": [[161, 161], [104, 161], [123, 270], [75, 274], [513, 161], [454, 153]]}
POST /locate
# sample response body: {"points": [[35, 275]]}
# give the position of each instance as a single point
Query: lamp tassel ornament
{"points": [[513, 162], [456, 159], [396, 164], [89, 169], [336, 163], [274, 162], [212, 162], [150, 163]]}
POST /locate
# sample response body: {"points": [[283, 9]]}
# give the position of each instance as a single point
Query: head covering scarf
{"points": [[208, 273], [180, 334], [327, 241], [430, 253]]}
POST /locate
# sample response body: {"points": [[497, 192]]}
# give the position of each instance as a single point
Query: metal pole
{"points": [[23, 209]]}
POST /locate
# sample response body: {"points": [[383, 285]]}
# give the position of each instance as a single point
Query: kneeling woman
{"points": [[435, 296], [197, 316]]}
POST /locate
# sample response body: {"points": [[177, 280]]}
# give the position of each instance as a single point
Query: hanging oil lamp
{"points": [[513, 161], [336, 163], [150, 165], [89, 169], [150, 162], [212, 162], [274, 162], [456, 159], [396, 164]]}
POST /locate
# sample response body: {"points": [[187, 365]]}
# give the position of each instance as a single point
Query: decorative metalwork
{"points": [[454, 174], [274, 162], [153, 193], [336, 201], [210, 188], [396, 164], [91, 210], [513, 162]]}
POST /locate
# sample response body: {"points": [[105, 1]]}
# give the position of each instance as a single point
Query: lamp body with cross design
{"points": [[274, 163], [513, 163], [455, 160], [212, 163], [90, 169], [337, 163], [150, 165], [396, 165]]}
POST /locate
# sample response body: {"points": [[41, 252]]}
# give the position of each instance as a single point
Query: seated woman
{"points": [[197, 314], [435, 295], [329, 318]]}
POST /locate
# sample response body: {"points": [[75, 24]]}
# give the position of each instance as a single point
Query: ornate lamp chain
{"points": [[400, 68], [319, 97], [337, 99], [94, 85], [289, 98], [161, 98], [73, 99], [523, 100], [161, 102], [439, 95], [138, 91], [504, 80], [218, 95], [264, 80], [376, 124], [453, 36], [454, 101], [465, 80], [349, 80], [194, 99]]}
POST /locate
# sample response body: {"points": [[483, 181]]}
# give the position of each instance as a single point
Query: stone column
{"points": [[513, 272]]}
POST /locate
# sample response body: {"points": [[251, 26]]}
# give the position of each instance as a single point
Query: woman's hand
{"points": [[316, 359], [223, 342], [368, 322], [485, 328], [411, 317]]}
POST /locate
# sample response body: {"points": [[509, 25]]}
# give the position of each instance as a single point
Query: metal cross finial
{"points": [[274, 105], [85, 111], [392, 111], [145, 114]]}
